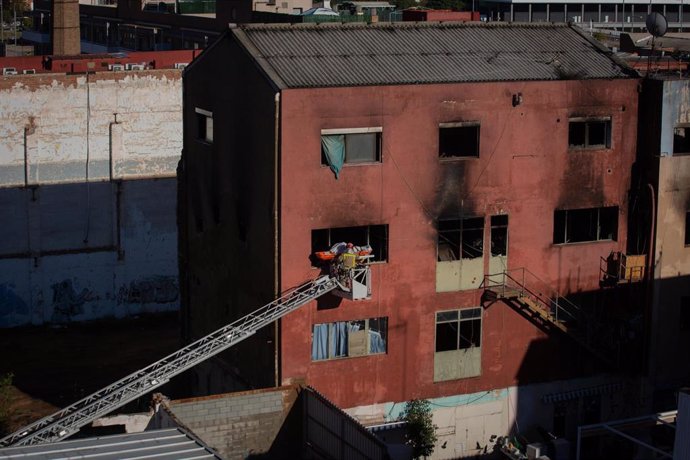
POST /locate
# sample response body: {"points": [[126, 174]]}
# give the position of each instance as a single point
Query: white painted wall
{"points": [[72, 250]]}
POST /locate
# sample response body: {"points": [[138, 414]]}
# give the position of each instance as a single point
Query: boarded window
{"points": [[204, 125], [344, 339], [375, 236], [580, 225], [458, 329], [460, 239], [681, 140], [458, 140], [499, 235], [589, 133]]}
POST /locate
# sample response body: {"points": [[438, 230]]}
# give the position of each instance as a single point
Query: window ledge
{"points": [[330, 360], [589, 149], [452, 159], [578, 243], [378, 262]]}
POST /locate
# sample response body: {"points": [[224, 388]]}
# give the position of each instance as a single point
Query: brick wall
{"points": [[238, 424]]}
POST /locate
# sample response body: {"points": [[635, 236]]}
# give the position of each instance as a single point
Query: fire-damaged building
{"points": [[488, 166]]}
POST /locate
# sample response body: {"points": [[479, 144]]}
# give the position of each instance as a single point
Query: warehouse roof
{"points": [[162, 444], [355, 54]]}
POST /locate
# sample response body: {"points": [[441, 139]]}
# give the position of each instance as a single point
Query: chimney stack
{"points": [[66, 36]]}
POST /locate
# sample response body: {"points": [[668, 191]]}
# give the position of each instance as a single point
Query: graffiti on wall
{"points": [[67, 303], [13, 309], [153, 289]]}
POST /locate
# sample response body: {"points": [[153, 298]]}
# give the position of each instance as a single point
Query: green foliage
{"points": [[421, 434], [5, 400]]}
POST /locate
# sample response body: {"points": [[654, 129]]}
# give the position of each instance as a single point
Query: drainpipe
{"points": [[650, 284], [276, 235], [110, 146]]}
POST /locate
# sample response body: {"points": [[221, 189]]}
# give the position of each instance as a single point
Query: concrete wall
{"points": [[74, 250], [525, 170], [469, 423], [238, 424]]}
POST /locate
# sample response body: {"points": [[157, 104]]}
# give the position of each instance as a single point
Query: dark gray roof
{"points": [[170, 443], [329, 55]]}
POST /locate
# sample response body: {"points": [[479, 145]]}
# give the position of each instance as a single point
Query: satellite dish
{"points": [[656, 24]]}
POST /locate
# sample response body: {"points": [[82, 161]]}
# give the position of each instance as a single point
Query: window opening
{"points": [[681, 140], [590, 133], [458, 140], [204, 125], [344, 339], [684, 319], [458, 329], [581, 225], [350, 146], [460, 239], [687, 228], [375, 236], [499, 235]]}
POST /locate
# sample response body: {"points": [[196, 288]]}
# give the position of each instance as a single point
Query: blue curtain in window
{"points": [[338, 339], [334, 150], [319, 346], [376, 342]]}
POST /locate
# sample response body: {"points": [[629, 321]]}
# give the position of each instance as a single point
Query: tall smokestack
{"points": [[66, 39]]}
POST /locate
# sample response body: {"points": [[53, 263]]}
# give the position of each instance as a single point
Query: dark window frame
{"points": [[449, 133], [561, 219], [376, 131], [463, 250], [681, 143], [464, 319], [204, 119], [323, 238], [589, 130], [332, 347], [687, 228]]}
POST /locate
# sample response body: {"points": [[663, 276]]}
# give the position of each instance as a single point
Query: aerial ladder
{"points": [[348, 278]]}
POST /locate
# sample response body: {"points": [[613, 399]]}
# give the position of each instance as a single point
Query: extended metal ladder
{"points": [[68, 421]]}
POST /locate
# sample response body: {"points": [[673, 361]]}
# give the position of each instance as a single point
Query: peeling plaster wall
{"points": [[72, 250]]}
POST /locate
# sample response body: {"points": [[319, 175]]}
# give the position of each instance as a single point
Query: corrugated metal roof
{"points": [[171, 443], [330, 55]]}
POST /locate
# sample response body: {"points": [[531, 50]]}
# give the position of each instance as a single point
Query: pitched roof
{"points": [[331, 55], [171, 443]]}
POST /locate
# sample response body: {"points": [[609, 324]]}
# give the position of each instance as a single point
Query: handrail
{"points": [[556, 305]]}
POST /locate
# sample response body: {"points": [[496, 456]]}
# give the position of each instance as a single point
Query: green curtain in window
{"points": [[334, 150]]}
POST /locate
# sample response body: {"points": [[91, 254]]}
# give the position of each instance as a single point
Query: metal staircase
{"points": [[532, 297], [68, 421]]}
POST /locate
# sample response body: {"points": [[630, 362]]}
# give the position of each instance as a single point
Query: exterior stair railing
{"points": [[529, 291]]}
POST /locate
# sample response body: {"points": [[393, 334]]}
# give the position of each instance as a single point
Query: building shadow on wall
{"points": [[563, 384], [82, 266]]}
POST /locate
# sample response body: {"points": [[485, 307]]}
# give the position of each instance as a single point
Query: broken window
{"points": [[204, 125], [350, 146], [458, 329], [458, 140], [687, 228], [499, 235], [375, 236], [580, 225], [460, 238], [589, 133], [681, 140], [344, 339]]}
